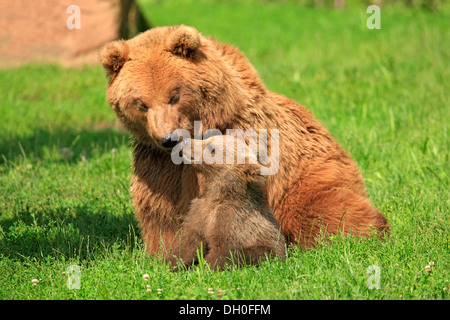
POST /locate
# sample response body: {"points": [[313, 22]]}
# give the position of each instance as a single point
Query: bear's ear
{"points": [[183, 41], [113, 57]]}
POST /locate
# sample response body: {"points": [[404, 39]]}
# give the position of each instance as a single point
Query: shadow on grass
{"points": [[81, 233], [62, 144]]}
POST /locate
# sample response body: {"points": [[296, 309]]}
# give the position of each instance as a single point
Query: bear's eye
{"points": [[142, 106], [174, 97]]}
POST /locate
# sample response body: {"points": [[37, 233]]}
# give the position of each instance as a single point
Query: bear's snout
{"points": [[169, 140]]}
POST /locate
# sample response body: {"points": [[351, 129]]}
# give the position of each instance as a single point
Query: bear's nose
{"points": [[169, 140]]}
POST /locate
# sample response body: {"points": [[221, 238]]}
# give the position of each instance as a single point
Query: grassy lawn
{"points": [[384, 94]]}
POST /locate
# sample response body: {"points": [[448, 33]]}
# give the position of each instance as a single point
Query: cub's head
{"points": [[167, 78]]}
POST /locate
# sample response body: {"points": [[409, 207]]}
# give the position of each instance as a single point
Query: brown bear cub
{"points": [[230, 222]]}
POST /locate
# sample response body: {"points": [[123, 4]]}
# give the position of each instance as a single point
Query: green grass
{"points": [[384, 94]]}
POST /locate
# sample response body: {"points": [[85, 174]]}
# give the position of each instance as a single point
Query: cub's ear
{"points": [[113, 57], [183, 41]]}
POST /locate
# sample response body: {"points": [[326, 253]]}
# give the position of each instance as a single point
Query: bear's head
{"points": [[168, 77]]}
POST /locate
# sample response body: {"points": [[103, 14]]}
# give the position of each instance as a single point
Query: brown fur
{"points": [[172, 76], [230, 221]]}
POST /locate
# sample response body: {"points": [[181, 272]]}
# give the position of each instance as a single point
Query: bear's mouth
{"points": [[170, 140]]}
